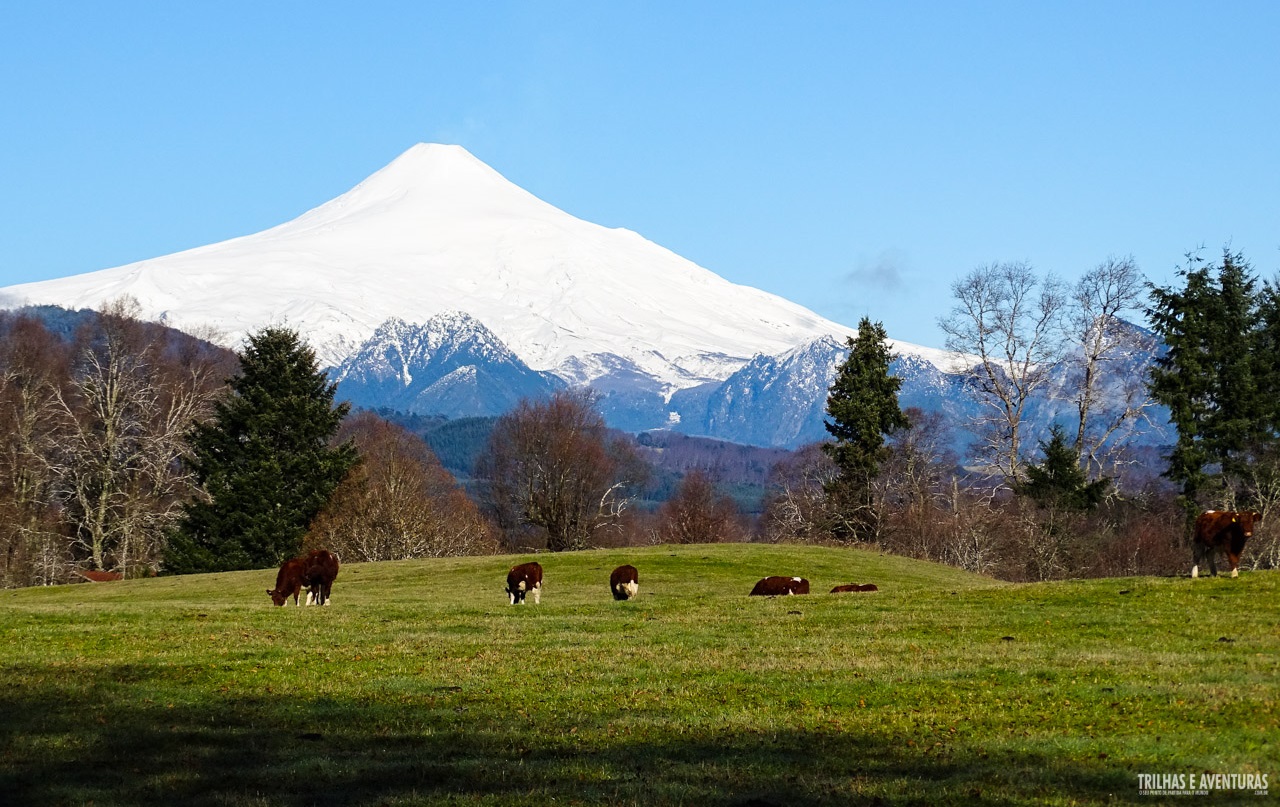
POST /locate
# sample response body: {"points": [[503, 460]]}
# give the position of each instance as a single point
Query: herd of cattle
{"points": [[316, 571], [1225, 530], [624, 583]]}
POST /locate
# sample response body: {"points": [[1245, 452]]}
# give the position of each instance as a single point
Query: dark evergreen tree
{"points": [[1237, 416], [264, 461], [1266, 364], [1182, 377], [1207, 375], [1058, 481], [863, 408]]}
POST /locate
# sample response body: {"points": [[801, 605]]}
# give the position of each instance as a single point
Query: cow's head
{"points": [[517, 591], [1247, 519], [277, 597]]}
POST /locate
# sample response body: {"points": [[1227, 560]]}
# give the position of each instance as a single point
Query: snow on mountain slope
{"points": [[439, 230], [452, 365]]}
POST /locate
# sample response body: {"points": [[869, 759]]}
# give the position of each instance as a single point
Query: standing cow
{"points": [[777, 586], [321, 571], [315, 572], [1222, 529], [624, 582], [525, 579]]}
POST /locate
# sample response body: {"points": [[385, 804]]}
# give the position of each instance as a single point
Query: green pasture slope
{"points": [[420, 685]]}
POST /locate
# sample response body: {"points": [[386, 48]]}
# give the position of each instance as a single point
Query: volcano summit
{"points": [[435, 231]]}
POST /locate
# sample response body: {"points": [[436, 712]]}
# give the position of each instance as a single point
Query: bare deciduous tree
{"points": [[915, 484], [33, 364], [125, 420], [796, 507], [398, 502], [1109, 405], [554, 466], [698, 514], [1007, 321], [972, 532], [1260, 484], [921, 464]]}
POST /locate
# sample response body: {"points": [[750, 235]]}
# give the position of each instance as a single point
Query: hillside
{"points": [[419, 685]]}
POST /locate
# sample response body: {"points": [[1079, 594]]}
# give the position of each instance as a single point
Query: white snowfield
{"points": [[437, 230]]}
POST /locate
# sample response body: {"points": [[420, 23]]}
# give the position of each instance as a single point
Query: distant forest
{"points": [[739, 471]]}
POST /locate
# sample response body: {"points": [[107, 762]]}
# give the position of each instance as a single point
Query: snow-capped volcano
{"points": [[437, 230]]}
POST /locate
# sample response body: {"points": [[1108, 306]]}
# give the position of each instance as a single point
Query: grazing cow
{"points": [[624, 582], [776, 586], [321, 571], [100, 577], [288, 581], [1222, 529], [314, 572], [525, 579], [854, 587]]}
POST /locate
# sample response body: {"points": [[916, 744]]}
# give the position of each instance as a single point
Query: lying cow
{"points": [[624, 582], [100, 577], [854, 587], [1222, 529], [315, 572], [777, 586], [525, 579]]}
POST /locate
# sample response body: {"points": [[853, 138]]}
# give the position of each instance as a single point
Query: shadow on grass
{"points": [[112, 746]]}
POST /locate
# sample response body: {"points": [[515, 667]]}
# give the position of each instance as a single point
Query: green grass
{"points": [[420, 685]]}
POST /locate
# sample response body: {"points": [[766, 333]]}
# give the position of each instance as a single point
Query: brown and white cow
{"points": [[777, 586], [94, 576], [321, 571], [1222, 529], [314, 571], [523, 580], [624, 582], [854, 587]]}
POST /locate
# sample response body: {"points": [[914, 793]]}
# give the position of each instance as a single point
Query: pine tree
{"points": [[1182, 378], [1266, 364], [264, 461], [1237, 415], [1058, 481], [863, 408], [1206, 377]]}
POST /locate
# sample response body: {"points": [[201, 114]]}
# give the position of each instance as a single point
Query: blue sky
{"points": [[854, 157]]}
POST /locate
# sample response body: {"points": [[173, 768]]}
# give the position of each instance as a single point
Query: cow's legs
{"points": [[537, 594], [1235, 564]]}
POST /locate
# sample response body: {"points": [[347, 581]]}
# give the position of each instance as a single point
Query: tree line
{"points": [[95, 424], [135, 449], [1069, 505]]}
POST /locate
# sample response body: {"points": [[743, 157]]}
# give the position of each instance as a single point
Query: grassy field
{"points": [[419, 685]]}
